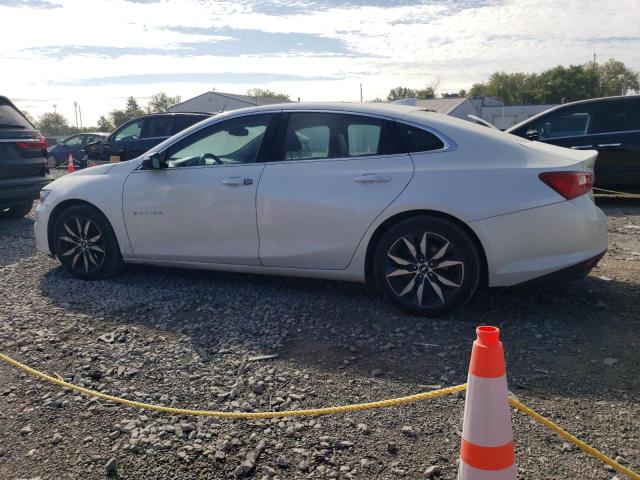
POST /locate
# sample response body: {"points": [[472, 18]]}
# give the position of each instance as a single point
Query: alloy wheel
{"points": [[83, 243], [424, 269]]}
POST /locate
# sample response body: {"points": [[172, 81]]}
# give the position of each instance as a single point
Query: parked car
{"points": [[59, 153], [23, 162], [425, 206], [136, 136], [609, 125]]}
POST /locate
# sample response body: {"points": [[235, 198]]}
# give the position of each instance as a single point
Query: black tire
{"points": [[85, 243], [17, 211], [442, 272], [52, 161]]}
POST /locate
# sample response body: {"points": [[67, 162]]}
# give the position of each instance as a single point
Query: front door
{"points": [[201, 207], [332, 176]]}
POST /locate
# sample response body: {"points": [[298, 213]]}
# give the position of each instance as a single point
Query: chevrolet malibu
{"points": [[424, 206]]}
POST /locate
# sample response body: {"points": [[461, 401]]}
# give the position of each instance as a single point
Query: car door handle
{"points": [[581, 147], [609, 145], [372, 178], [237, 181]]}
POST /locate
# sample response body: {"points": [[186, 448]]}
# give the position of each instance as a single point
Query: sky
{"points": [[98, 52]]}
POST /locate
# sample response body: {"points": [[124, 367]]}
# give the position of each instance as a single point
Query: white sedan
{"points": [[425, 206]]}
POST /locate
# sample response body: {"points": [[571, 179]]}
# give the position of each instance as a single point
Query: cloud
{"points": [[195, 77], [29, 4]]}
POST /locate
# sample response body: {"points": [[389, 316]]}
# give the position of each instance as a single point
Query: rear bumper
{"points": [[534, 243], [17, 190], [568, 274]]}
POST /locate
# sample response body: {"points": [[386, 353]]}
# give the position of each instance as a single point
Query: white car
{"points": [[426, 206]]}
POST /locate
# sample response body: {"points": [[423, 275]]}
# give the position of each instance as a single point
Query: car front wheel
{"points": [[427, 265], [86, 244]]}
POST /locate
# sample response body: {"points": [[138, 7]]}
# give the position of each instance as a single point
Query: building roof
{"points": [[440, 105], [250, 101]]}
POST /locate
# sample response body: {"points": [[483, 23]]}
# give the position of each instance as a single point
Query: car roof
{"points": [[619, 98], [172, 114]]}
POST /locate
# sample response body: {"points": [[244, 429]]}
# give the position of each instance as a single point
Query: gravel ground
{"points": [[184, 338]]}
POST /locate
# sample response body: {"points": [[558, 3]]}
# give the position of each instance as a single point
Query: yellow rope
{"points": [[318, 411], [576, 441], [234, 415]]}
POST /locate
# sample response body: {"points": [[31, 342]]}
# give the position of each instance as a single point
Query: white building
{"points": [[487, 108], [215, 102]]}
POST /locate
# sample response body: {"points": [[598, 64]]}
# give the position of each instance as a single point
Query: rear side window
{"points": [[316, 135], [418, 140], [617, 116], [12, 118], [180, 122], [157, 127]]}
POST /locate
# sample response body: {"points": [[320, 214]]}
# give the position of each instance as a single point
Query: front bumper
{"points": [[40, 227], [533, 243], [18, 190]]}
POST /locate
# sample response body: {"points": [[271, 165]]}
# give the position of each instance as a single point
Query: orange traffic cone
{"points": [[70, 166], [487, 438]]}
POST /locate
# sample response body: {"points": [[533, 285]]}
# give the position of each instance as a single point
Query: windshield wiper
{"points": [[12, 125]]}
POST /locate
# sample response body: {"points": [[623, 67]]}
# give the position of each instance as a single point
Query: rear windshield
{"points": [[12, 118]]}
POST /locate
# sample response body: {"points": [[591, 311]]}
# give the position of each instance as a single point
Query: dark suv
{"points": [[610, 125], [135, 137], [23, 162]]}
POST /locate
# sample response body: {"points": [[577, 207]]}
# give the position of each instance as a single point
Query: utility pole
{"points": [[594, 60], [360, 92], [75, 109], [80, 113], [55, 107]]}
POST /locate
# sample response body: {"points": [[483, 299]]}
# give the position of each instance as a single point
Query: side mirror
{"points": [[154, 162], [533, 134]]}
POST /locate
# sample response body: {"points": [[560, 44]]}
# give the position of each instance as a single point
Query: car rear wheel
{"points": [[427, 265], [52, 161], [86, 244], [16, 211]]}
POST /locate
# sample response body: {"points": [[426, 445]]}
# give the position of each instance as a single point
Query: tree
{"points": [[53, 123], [399, 93], [266, 93], [104, 124], [132, 109], [616, 77], [161, 102]]}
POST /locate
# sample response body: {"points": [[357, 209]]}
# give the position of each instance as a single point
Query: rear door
{"points": [[182, 121], [616, 131], [329, 177], [155, 129], [568, 126]]}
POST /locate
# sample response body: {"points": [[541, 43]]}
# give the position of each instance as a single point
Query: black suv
{"points": [[23, 162], [610, 125], [135, 137]]}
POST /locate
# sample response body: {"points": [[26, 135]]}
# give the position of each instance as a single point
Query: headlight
{"points": [[44, 193]]}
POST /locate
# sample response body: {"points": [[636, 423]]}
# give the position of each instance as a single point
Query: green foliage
{"points": [[53, 123], [559, 84], [266, 93], [399, 93], [161, 102], [104, 124]]}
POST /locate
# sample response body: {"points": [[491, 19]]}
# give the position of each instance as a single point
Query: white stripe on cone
{"points": [[467, 472], [487, 418]]}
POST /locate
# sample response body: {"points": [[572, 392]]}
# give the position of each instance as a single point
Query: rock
{"points": [[376, 373], [609, 362], [26, 430], [112, 466], [282, 462], [621, 460], [244, 468], [303, 466], [363, 428], [409, 432], [566, 447], [57, 438], [108, 337], [433, 471], [392, 448]]}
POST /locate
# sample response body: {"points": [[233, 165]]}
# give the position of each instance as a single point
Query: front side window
{"points": [[565, 122], [316, 135], [617, 116], [73, 141], [235, 141], [180, 122], [130, 131]]}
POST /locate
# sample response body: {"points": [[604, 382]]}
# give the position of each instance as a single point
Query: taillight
{"points": [[569, 184], [39, 143]]}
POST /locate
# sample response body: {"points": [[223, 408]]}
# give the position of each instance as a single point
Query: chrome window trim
{"points": [[620, 132]]}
